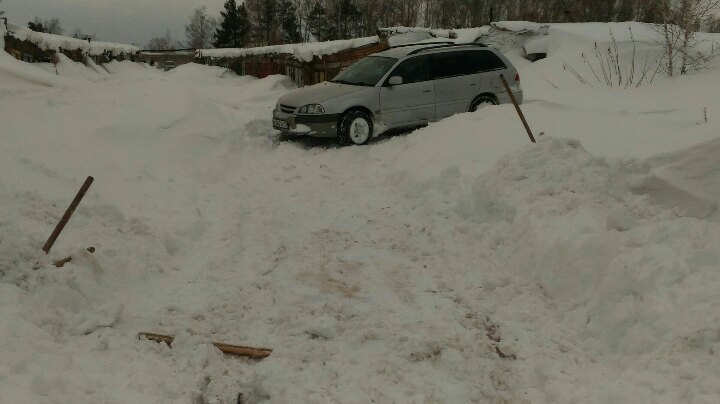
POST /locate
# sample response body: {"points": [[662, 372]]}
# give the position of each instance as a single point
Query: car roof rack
{"points": [[421, 44], [414, 51]]}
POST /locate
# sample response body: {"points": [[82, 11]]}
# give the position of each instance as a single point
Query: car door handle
{"points": [[473, 84], [427, 91]]}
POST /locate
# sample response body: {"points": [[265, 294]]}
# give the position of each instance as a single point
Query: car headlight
{"points": [[312, 109]]}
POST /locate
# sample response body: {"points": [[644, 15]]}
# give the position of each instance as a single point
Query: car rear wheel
{"points": [[482, 101], [355, 128]]}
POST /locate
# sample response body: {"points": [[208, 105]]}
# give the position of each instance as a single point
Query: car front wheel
{"points": [[355, 128]]}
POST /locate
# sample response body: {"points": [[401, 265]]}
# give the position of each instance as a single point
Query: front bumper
{"points": [[321, 125]]}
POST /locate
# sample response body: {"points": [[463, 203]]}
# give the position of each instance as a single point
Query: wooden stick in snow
{"points": [[517, 108], [238, 350], [61, 224]]}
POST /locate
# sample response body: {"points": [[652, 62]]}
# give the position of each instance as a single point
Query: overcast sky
{"points": [[124, 21]]}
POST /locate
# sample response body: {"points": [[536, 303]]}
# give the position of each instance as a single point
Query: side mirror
{"points": [[395, 81]]}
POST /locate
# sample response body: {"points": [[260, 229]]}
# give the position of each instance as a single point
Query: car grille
{"points": [[287, 109]]}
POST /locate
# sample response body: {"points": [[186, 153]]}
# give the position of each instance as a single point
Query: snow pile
{"points": [[520, 26], [583, 37], [458, 263], [403, 35], [66, 67], [629, 279], [116, 66], [16, 74], [301, 51], [56, 42]]}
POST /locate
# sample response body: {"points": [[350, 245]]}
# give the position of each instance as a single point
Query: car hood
{"points": [[317, 93]]}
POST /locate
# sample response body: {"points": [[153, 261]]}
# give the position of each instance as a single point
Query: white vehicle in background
{"points": [[403, 87]]}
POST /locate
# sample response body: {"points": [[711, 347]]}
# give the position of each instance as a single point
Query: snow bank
{"points": [[56, 42], [301, 51], [458, 263], [200, 73], [116, 66], [15, 73], [66, 67], [401, 35], [631, 279], [519, 26]]}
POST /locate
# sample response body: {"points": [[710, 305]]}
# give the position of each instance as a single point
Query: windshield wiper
{"points": [[360, 83]]}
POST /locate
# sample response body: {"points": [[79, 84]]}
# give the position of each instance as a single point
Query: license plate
{"points": [[280, 124]]}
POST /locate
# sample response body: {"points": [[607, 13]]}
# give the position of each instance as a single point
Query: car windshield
{"points": [[365, 72]]}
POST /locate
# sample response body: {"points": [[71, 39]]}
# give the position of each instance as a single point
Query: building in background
{"points": [[305, 63], [160, 58]]}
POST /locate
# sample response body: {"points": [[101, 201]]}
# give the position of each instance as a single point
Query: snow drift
{"points": [[457, 263]]}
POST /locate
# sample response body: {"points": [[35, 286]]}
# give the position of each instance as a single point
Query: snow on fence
{"points": [[304, 52], [403, 35], [58, 43], [304, 63]]}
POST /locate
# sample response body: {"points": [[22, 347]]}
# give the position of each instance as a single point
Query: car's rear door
{"points": [[413, 101], [456, 82], [489, 66]]}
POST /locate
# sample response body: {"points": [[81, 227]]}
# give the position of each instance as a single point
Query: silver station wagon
{"points": [[403, 87]]}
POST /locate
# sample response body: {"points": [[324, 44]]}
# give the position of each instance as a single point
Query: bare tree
{"points": [[304, 7], [263, 19], [680, 22], [53, 26], [713, 24], [200, 29], [165, 42], [347, 18], [80, 34]]}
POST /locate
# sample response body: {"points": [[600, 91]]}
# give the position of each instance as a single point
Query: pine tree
{"points": [[346, 20], [37, 25], [233, 26], [287, 18], [317, 21]]}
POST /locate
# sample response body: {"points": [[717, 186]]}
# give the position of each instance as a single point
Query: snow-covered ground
{"points": [[455, 264]]}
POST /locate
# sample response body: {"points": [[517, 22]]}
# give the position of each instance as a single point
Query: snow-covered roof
{"points": [[183, 52], [520, 27], [402, 35], [301, 51], [56, 42]]}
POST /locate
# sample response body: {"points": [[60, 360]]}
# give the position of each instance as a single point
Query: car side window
{"points": [[413, 70], [484, 60], [450, 64]]}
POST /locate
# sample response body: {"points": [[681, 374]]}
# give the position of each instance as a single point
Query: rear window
{"points": [[485, 60], [461, 63], [450, 64]]}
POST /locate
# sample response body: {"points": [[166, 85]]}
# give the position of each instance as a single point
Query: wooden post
{"points": [[238, 350], [517, 108], [61, 225]]}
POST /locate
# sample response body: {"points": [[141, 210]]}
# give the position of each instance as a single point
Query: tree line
{"points": [[268, 22]]}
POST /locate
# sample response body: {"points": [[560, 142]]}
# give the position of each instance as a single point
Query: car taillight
{"points": [[517, 76]]}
